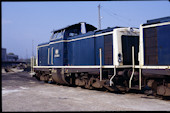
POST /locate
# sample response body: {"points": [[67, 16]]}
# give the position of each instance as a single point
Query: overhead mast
{"points": [[99, 27]]}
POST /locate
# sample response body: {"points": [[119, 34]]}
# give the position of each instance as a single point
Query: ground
{"points": [[21, 92]]}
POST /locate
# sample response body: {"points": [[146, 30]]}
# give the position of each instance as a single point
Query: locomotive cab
{"points": [[54, 52], [124, 39]]}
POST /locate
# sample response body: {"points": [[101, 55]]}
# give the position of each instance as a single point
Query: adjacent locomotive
{"points": [[155, 55], [83, 56], [117, 58]]}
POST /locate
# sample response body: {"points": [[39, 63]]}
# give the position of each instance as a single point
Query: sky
{"points": [[27, 24]]}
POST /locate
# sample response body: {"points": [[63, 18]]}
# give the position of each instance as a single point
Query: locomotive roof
{"points": [[86, 34], [158, 20], [88, 26], [106, 30]]}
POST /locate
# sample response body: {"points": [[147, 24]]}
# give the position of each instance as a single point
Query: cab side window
{"points": [[72, 32]]}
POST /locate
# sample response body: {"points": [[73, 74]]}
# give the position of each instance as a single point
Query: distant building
{"points": [[8, 57], [12, 57], [3, 56]]}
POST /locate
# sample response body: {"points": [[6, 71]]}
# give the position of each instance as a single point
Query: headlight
{"points": [[119, 58], [130, 29]]}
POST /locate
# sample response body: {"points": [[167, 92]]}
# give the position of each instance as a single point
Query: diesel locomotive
{"points": [[116, 58], [155, 55]]}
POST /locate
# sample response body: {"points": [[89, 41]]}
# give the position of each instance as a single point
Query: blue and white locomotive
{"points": [[155, 55], [84, 56], [117, 58]]}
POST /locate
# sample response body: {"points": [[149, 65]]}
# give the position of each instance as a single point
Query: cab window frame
{"points": [[57, 35]]}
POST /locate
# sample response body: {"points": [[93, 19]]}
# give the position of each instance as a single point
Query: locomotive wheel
{"points": [[88, 84]]}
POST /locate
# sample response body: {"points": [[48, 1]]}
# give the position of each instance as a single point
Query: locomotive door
{"points": [[108, 49], [50, 55], [105, 42], [127, 43], [55, 54]]}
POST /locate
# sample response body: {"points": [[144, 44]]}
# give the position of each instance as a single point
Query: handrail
{"points": [[52, 55], [32, 64], [48, 55], [100, 52], [140, 70], [133, 67], [113, 76]]}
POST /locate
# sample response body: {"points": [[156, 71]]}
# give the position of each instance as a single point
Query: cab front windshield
{"points": [[57, 35]]}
